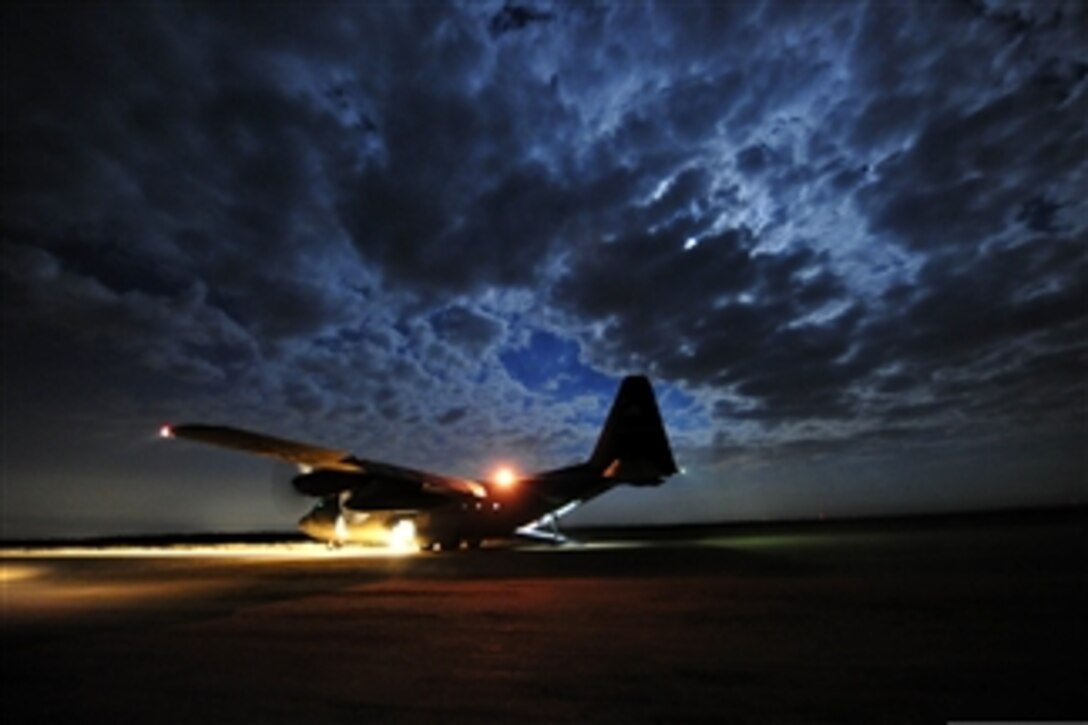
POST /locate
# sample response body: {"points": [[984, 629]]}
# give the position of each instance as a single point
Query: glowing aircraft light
{"points": [[402, 537], [504, 477], [166, 432]]}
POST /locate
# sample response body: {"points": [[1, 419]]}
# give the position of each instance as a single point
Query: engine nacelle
{"points": [[366, 491], [328, 483]]}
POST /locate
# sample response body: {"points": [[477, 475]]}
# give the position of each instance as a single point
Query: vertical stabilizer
{"points": [[633, 447]]}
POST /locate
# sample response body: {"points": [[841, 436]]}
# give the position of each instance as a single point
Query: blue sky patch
{"points": [[550, 365]]}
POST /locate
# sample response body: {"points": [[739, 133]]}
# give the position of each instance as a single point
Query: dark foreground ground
{"points": [[983, 619]]}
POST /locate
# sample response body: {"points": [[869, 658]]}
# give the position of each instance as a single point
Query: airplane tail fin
{"points": [[633, 447]]}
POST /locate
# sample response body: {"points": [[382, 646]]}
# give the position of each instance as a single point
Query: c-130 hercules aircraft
{"points": [[369, 502]]}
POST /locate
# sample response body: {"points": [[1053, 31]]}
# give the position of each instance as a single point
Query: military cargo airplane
{"points": [[369, 502]]}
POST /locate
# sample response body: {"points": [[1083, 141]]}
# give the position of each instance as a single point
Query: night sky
{"points": [[847, 242]]}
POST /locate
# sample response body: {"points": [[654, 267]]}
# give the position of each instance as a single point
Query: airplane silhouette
{"points": [[371, 502]]}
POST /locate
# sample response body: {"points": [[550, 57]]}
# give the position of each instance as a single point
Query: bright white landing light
{"points": [[403, 535]]}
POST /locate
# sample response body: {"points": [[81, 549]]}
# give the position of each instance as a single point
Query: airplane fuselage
{"points": [[440, 523], [372, 502]]}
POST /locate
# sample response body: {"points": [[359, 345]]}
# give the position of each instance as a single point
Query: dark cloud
{"points": [[451, 416], [466, 329], [435, 233], [516, 17]]}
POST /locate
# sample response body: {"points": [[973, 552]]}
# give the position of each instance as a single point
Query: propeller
{"points": [[286, 501]]}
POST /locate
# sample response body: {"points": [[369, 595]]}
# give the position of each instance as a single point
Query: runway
{"points": [[959, 620]]}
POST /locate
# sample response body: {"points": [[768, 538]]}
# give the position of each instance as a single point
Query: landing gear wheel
{"points": [[440, 545], [449, 545]]}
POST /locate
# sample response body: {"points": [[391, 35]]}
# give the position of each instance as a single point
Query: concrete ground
{"points": [[977, 619]]}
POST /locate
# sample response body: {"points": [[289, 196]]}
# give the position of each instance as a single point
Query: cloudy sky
{"points": [[847, 241]]}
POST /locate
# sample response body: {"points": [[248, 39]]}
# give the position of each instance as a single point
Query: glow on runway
{"points": [[34, 594], [51, 583], [292, 551]]}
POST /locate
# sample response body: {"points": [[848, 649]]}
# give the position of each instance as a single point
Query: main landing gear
{"points": [[450, 544]]}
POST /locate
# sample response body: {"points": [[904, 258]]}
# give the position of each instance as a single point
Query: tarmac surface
{"points": [[897, 623]]}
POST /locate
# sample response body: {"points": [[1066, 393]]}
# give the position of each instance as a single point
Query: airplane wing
{"points": [[321, 459], [264, 445]]}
